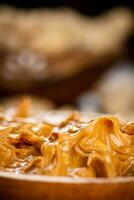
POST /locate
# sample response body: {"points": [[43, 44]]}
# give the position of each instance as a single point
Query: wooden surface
{"points": [[23, 187]]}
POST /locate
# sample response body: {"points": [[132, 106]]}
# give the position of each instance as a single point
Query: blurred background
{"points": [[85, 6], [68, 54]]}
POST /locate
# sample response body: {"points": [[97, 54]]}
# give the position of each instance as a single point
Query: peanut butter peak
{"points": [[101, 147]]}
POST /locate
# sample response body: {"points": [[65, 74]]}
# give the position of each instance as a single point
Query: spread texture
{"points": [[100, 147]]}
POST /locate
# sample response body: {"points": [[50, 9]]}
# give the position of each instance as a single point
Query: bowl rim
{"points": [[63, 179]]}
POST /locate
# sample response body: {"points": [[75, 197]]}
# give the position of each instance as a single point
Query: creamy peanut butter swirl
{"points": [[101, 147]]}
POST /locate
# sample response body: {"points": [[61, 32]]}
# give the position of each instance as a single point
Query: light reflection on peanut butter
{"points": [[102, 147]]}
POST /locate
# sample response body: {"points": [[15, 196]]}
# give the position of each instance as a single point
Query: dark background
{"points": [[90, 7]]}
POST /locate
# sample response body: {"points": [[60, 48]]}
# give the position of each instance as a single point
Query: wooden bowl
{"points": [[27, 187], [23, 187]]}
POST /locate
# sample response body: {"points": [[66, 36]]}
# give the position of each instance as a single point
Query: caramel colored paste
{"points": [[102, 147]]}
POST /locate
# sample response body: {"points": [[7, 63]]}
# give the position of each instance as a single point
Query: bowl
{"points": [[23, 187], [27, 186]]}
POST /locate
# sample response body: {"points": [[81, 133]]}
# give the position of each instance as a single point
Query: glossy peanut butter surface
{"points": [[99, 147]]}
